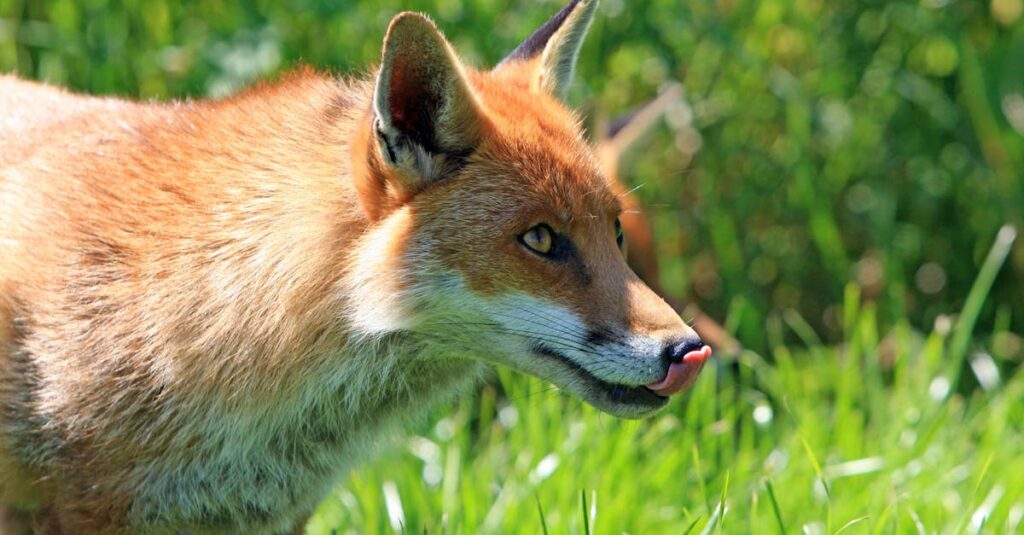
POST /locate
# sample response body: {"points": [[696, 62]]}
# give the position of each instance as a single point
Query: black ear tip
{"points": [[535, 43]]}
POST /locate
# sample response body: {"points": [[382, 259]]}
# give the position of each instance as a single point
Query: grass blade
{"points": [[540, 512], [851, 523], [700, 477], [721, 502], [976, 298], [816, 465], [775, 506], [583, 511]]}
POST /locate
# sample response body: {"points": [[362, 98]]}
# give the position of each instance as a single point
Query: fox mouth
{"points": [[640, 397]]}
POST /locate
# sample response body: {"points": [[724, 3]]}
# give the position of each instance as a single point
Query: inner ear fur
{"points": [[426, 116], [551, 51]]}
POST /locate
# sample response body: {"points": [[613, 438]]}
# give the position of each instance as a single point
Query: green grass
{"points": [[866, 436]]}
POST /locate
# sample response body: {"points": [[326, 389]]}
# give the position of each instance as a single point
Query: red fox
{"points": [[209, 311]]}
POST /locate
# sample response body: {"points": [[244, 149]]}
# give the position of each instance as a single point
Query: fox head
{"points": [[494, 233]]}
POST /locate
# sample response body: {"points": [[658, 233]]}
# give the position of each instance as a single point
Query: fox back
{"points": [[210, 310]]}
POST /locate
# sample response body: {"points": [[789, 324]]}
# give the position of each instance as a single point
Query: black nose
{"points": [[674, 352]]}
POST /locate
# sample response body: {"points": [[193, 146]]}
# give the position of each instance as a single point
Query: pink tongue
{"points": [[681, 374]]}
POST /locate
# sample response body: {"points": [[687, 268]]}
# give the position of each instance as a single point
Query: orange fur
{"points": [[208, 310]]}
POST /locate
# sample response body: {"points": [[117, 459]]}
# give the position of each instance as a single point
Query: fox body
{"points": [[210, 310]]}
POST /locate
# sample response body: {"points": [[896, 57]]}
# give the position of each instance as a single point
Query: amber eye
{"points": [[620, 238], [539, 239]]}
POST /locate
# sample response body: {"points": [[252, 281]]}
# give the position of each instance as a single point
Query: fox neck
{"points": [[387, 379], [302, 327]]}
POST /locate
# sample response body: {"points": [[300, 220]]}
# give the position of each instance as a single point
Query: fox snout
{"points": [[672, 353], [684, 360], [610, 340], [676, 349]]}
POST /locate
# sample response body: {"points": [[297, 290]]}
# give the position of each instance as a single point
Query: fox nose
{"points": [[675, 352]]}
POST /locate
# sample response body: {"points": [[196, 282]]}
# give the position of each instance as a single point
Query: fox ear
{"points": [[553, 48], [426, 117], [624, 131]]}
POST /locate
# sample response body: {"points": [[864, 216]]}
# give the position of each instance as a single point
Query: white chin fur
{"points": [[625, 359], [376, 288], [507, 330]]}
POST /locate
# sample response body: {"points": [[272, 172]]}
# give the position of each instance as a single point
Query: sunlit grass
{"points": [[868, 436]]}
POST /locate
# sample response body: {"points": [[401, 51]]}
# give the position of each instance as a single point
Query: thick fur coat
{"points": [[210, 310]]}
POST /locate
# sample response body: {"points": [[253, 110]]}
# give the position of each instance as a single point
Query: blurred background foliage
{"points": [[873, 141]]}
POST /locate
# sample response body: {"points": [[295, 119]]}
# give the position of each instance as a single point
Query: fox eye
{"points": [[539, 239], [620, 238]]}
